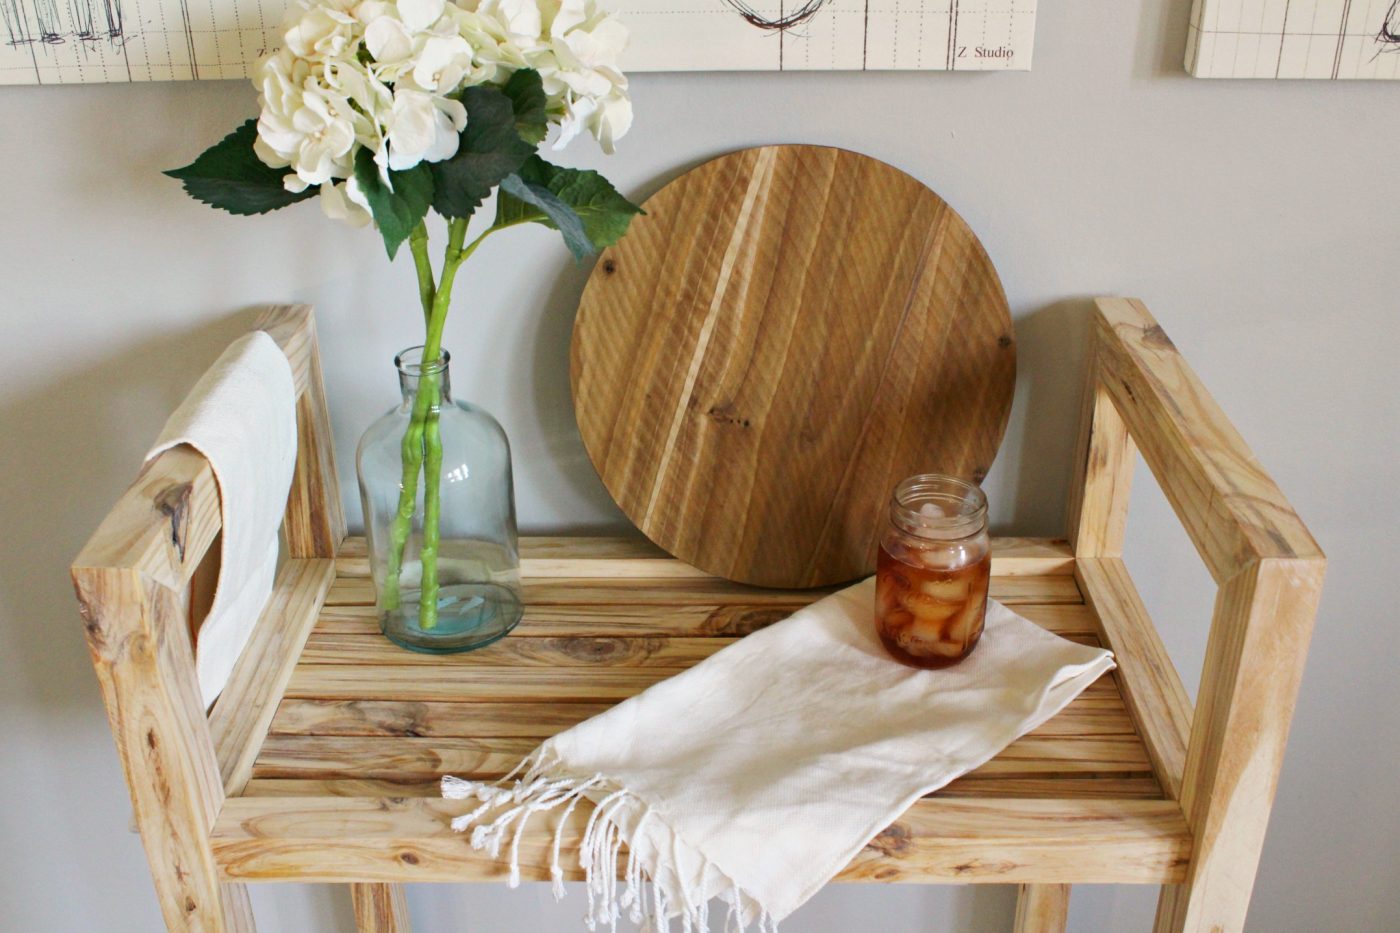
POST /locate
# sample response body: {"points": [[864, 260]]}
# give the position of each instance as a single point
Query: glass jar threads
{"points": [[933, 571]]}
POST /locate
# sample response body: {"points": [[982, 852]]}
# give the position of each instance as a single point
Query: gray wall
{"points": [[1259, 221]]}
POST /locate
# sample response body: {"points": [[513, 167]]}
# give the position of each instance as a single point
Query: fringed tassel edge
{"points": [[599, 851]]}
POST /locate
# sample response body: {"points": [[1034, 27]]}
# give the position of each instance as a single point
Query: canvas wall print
{"points": [[87, 41], [1327, 39]]}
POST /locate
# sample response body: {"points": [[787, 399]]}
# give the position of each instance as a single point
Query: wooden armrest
{"points": [[133, 584], [1142, 395], [1231, 508], [162, 525], [165, 521]]}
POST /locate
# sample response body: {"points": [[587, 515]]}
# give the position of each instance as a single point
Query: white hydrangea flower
{"points": [[320, 32], [581, 72], [423, 127], [382, 75], [345, 201], [521, 19]]}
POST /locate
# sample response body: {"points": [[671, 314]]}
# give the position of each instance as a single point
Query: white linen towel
{"points": [[758, 774], [241, 416]]}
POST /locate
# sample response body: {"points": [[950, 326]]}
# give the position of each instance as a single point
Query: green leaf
{"points": [[399, 210], [230, 176], [490, 149], [604, 213], [556, 213], [526, 92]]}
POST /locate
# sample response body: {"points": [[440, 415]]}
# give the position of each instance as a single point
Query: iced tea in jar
{"points": [[934, 567]]}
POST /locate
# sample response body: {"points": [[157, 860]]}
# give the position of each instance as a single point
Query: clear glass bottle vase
{"points": [[478, 558]]}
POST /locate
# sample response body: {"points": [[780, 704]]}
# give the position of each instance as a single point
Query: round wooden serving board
{"points": [[786, 334]]}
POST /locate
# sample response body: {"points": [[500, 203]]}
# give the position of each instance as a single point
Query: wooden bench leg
{"points": [[1042, 908], [380, 908], [238, 909]]}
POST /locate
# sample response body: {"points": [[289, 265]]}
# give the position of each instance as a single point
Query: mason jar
{"points": [[933, 571]]}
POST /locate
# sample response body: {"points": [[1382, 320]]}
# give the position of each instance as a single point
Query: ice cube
{"points": [[967, 624], [926, 606], [937, 559], [949, 591], [926, 629], [946, 649], [897, 621]]}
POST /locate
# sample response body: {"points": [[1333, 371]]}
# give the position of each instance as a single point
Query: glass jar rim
{"points": [[960, 507], [409, 361]]}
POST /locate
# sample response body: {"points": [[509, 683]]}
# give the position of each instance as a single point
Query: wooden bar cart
{"points": [[320, 760]]}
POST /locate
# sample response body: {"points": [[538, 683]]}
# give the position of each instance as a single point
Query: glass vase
{"points": [[477, 556]]}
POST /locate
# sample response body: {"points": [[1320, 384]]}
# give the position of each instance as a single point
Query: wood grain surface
{"points": [[786, 334], [360, 717]]}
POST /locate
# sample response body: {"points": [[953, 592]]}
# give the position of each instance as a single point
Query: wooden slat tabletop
{"points": [[344, 786], [605, 619]]}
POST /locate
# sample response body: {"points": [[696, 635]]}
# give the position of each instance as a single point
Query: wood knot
{"points": [[407, 719], [408, 858], [174, 503], [979, 474], [609, 266], [594, 650], [92, 625], [1004, 341], [725, 414], [740, 622], [1157, 339], [190, 905], [893, 840]]}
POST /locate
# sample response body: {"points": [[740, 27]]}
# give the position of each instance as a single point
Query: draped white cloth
{"points": [[758, 774], [241, 416]]}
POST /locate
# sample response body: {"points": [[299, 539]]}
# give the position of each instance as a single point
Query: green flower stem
{"points": [[427, 290], [432, 507], [410, 448], [422, 443]]}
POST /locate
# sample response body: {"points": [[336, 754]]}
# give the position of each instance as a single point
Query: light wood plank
{"points": [[1098, 503], [564, 654], [136, 633], [937, 840], [293, 327], [380, 908], [397, 759], [163, 524], [1066, 619], [471, 684], [352, 558], [1229, 505], [315, 521], [542, 720], [638, 558], [1254, 662], [1152, 688], [422, 759], [573, 592], [1132, 785], [1042, 908], [1031, 557], [241, 715], [431, 719], [352, 682], [600, 621]]}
